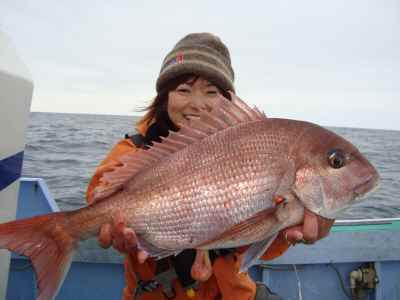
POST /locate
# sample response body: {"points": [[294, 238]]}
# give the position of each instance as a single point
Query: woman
{"points": [[192, 76]]}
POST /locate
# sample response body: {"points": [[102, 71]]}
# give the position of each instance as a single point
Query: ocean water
{"points": [[65, 149]]}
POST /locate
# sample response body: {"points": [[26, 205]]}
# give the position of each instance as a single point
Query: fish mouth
{"points": [[367, 186]]}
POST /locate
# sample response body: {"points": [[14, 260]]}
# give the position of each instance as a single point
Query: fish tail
{"points": [[47, 242]]}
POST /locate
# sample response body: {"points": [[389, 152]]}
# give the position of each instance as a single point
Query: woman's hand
{"points": [[314, 227], [122, 238]]}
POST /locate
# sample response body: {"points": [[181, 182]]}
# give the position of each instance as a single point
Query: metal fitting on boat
{"points": [[361, 279]]}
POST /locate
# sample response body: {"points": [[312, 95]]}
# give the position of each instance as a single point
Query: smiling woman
{"points": [[193, 77]]}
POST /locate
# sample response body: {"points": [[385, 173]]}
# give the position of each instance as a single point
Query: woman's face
{"points": [[186, 101]]}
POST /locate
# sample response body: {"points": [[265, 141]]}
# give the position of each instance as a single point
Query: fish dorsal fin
{"points": [[228, 114]]}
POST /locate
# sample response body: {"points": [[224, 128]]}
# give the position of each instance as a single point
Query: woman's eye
{"points": [[212, 92], [183, 90]]}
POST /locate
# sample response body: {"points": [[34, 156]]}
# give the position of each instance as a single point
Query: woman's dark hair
{"points": [[157, 110]]}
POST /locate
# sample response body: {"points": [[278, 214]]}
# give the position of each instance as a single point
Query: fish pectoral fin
{"points": [[153, 250], [242, 230], [255, 251]]}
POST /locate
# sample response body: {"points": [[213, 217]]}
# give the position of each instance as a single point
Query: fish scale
{"points": [[245, 172]]}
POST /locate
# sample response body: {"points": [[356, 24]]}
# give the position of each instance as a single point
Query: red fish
{"points": [[212, 184]]}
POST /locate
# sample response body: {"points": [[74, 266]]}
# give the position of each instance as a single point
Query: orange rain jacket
{"points": [[226, 282]]}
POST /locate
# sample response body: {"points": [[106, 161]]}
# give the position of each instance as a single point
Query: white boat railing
{"points": [[366, 221]]}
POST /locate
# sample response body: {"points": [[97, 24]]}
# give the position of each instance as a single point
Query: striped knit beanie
{"points": [[202, 54]]}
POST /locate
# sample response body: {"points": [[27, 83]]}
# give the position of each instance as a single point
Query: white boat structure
{"points": [[16, 89]]}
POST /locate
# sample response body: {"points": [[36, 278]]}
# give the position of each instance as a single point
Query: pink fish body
{"points": [[210, 185]]}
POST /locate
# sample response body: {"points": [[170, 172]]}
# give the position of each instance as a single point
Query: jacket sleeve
{"points": [[236, 285], [112, 160]]}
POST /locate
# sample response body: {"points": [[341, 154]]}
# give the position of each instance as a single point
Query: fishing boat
{"points": [[360, 259]]}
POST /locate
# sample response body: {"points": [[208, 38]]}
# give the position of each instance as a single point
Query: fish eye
{"points": [[336, 158]]}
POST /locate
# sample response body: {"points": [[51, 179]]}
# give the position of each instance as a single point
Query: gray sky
{"points": [[336, 63]]}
